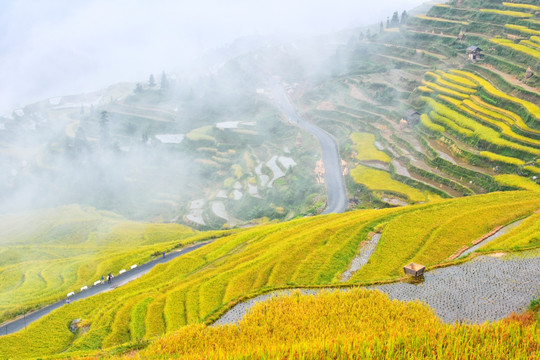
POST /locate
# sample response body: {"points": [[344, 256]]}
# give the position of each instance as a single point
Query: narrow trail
{"points": [[510, 79], [133, 114], [404, 60], [20, 323]]}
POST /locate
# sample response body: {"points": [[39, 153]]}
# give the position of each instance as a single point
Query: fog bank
{"points": [[56, 47]]}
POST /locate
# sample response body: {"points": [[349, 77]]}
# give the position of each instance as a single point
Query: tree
{"points": [[388, 22], [80, 143], [164, 81], [381, 27], [404, 17], [151, 81], [395, 20], [104, 128], [138, 88]]}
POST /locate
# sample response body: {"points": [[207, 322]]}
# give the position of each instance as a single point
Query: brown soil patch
{"points": [[357, 94], [525, 319], [326, 106], [497, 254], [509, 78]]}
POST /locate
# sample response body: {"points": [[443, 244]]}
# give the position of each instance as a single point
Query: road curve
{"points": [[21, 322], [333, 177], [337, 203]]}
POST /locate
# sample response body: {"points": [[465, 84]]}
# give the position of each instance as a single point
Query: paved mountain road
{"points": [[333, 177], [337, 203], [21, 322]]}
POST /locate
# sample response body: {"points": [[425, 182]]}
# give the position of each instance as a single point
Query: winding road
{"points": [[122, 279], [337, 203], [335, 185]]}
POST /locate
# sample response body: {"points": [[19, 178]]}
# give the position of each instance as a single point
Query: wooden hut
{"points": [[475, 53], [414, 269]]}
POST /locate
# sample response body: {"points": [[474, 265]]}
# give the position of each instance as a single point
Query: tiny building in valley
{"points": [[474, 52], [412, 116]]}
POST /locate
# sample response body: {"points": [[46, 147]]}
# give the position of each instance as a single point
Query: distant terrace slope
{"points": [[448, 125]]}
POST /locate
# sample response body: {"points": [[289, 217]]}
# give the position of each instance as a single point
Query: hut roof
{"points": [[473, 49]]}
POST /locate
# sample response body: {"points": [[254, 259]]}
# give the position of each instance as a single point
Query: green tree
{"points": [[151, 81], [404, 17], [104, 128], [80, 143], [395, 20], [164, 81]]}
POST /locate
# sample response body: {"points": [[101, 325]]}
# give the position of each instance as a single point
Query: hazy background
{"points": [[57, 47]]}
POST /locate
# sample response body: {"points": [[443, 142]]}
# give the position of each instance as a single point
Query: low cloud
{"points": [[51, 48]]}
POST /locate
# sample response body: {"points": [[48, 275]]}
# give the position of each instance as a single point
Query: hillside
{"points": [[340, 325], [312, 252], [47, 253], [437, 123], [434, 119]]}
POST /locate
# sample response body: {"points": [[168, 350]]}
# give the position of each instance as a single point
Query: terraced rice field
{"points": [[482, 121], [517, 182], [487, 288], [526, 236], [521, 6], [364, 145], [498, 134], [518, 47], [201, 285], [379, 180], [517, 14], [46, 254]]}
